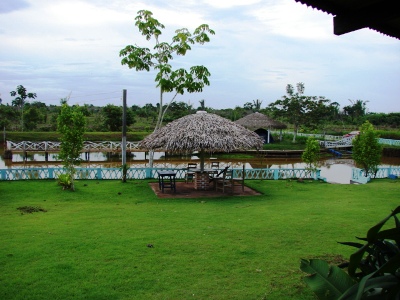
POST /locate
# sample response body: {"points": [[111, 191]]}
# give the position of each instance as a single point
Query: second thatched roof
{"points": [[202, 132], [258, 120]]}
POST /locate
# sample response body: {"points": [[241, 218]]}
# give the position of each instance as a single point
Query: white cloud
{"points": [[294, 20], [230, 3], [54, 47]]}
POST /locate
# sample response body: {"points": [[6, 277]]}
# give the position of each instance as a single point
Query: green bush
{"points": [[65, 180]]}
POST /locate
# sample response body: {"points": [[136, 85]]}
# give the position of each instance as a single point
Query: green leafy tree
{"points": [[71, 125], [113, 117], [8, 116], [298, 109], [356, 111], [367, 152], [254, 107], [382, 119], [21, 96], [178, 110], [292, 107], [311, 154], [33, 117], [168, 80], [148, 111]]}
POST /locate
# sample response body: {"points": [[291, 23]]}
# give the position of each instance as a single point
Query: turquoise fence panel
{"points": [[389, 142], [358, 174], [143, 173]]}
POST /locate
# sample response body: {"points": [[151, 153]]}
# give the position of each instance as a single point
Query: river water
{"points": [[335, 170]]}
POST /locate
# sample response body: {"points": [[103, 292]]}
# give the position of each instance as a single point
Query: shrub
{"points": [[65, 181]]}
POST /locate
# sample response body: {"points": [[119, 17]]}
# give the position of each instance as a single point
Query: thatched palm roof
{"points": [[258, 120], [203, 132]]}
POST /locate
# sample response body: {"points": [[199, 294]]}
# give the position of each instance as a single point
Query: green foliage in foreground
{"points": [[373, 270], [94, 243]]}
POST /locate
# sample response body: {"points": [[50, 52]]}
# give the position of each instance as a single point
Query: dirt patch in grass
{"points": [[30, 209]]}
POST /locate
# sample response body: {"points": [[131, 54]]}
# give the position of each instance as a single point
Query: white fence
{"points": [[49, 146]]}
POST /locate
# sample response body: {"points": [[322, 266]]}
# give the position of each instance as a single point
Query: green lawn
{"points": [[93, 243]]}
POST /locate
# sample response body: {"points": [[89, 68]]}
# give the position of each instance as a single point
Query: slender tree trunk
{"points": [[158, 125], [295, 129]]}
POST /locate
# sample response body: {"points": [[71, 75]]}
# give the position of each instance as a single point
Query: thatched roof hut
{"points": [[258, 120], [203, 132]]}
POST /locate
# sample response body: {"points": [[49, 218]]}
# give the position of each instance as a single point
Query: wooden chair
{"points": [[228, 182], [189, 175], [225, 182], [214, 177], [214, 167]]}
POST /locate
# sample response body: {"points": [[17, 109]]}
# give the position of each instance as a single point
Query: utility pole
{"points": [[124, 167]]}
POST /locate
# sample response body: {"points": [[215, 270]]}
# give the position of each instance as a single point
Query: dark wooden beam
{"points": [[372, 16]]}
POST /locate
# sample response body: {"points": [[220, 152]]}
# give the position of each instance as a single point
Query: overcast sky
{"points": [[61, 48]]}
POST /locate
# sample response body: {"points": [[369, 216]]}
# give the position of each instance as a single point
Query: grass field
{"points": [[110, 240]]}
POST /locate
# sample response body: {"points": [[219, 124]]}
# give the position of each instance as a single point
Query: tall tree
{"points": [[321, 112], [202, 104], [356, 111], [71, 125], [367, 152], [168, 80], [297, 108], [292, 107], [21, 95], [257, 105]]}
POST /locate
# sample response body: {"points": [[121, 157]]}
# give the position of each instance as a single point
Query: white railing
{"points": [[330, 141], [55, 146], [344, 142]]}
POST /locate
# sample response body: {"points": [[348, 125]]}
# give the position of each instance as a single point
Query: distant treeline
{"points": [[37, 116]]}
